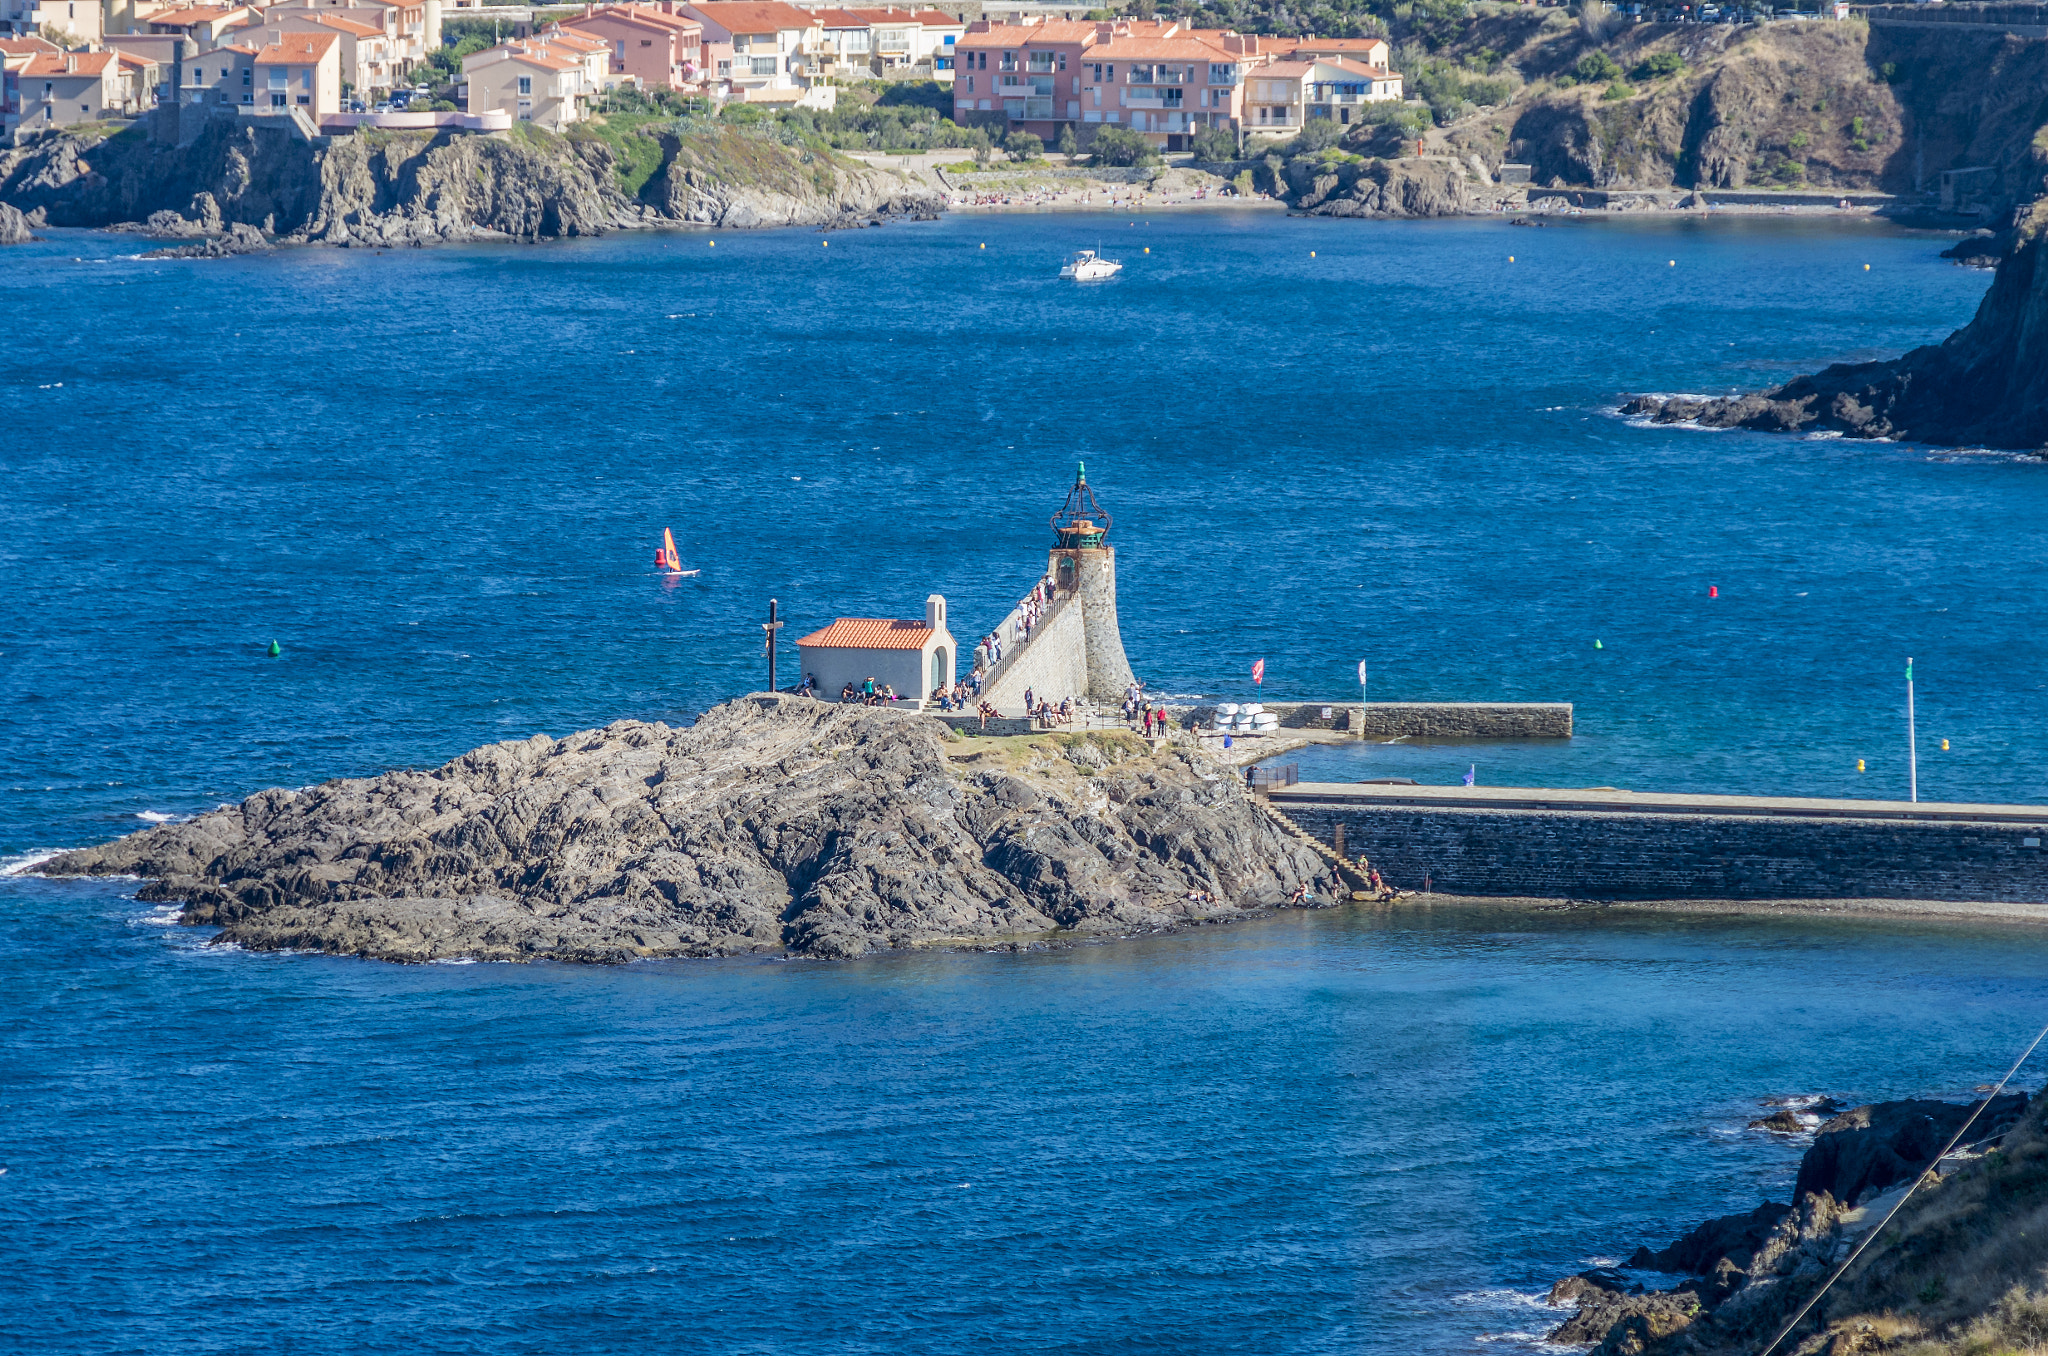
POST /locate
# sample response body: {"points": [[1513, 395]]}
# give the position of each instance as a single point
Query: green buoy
{"points": [[1596, 645], [275, 651]]}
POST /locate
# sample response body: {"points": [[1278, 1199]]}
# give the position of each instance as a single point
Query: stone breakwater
{"points": [[1748, 1273], [775, 824], [1620, 845]]}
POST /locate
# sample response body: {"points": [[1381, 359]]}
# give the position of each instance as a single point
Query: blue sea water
{"points": [[437, 478]]}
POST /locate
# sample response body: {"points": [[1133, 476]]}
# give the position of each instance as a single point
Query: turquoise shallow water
{"points": [[437, 478]]}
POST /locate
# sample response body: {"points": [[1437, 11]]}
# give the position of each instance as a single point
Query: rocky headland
{"points": [[1957, 1270], [386, 188], [775, 824], [1985, 385]]}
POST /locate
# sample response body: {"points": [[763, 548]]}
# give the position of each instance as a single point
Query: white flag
{"points": [[1361, 673]]}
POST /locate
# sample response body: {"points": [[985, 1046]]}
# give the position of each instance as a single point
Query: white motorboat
{"points": [[1088, 266]]}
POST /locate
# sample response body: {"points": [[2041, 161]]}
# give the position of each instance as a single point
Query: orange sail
{"points": [[668, 550]]}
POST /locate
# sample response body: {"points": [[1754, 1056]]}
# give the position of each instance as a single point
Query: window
{"points": [[764, 65], [305, 98], [246, 73], [247, 97], [970, 84], [306, 79], [647, 42], [526, 84]]}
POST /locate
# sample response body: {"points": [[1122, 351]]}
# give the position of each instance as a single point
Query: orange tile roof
{"points": [[1155, 49], [69, 63], [869, 633], [547, 61], [297, 49], [341, 25], [938, 18], [573, 40], [754, 16], [839, 18], [28, 46], [1337, 44], [884, 16]]}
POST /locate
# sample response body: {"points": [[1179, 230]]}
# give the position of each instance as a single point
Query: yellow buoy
{"points": [[826, 243], [1859, 765], [1148, 249], [714, 242], [1866, 268], [1511, 258], [984, 244], [1944, 746], [1671, 263], [1311, 254]]}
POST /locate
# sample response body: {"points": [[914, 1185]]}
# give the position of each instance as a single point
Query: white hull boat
{"points": [[1088, 266]]}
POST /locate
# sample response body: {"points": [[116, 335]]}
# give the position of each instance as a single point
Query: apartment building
{"points": [[78, 21], [530, 81], [658, 49], [58, 89], [1285, 94], [299, 70], [758, 45], [1154, 77], [363, 49]]}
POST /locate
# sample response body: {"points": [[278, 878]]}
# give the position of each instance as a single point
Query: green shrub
{"points": [[1122, 146], [1595, 67], [1067, 143], [1214, 143], [1617, 90], [1024, 146], [1658, 66]]}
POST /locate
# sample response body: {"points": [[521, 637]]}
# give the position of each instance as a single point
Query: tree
{"points": [[1214, 143], [1317, 134], [1067, 143], [977, 141], [1658, 66], [1023, 146], [1596, 68], [1122, 146]]}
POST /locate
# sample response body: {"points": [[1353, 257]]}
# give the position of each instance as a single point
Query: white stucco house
{"points": [[913, 657]]}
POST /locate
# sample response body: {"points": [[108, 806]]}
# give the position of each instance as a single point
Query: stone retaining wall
{"points": [[1053, 663], [1563, 854]]}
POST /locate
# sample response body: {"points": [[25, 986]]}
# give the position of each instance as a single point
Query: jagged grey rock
{"points": [[775, 823], [13, 226]]}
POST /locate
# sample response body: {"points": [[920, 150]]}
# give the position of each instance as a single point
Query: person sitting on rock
{"points": [[847, 694]]}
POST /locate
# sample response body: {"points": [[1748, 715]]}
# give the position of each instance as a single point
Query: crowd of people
{"points": [[867, 692], [988, 651], [955, 696]]}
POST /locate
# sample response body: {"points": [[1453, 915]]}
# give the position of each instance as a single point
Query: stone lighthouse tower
{"points": [[1083, 562]]}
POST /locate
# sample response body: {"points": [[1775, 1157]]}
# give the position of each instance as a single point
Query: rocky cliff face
{"points": [[1749, 1273], [773, 824], [13, 226], [1985, 385], [386, 188], [1375, 188]]}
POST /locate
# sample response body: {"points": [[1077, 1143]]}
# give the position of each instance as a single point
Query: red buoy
{"points": [[1713, 591]]}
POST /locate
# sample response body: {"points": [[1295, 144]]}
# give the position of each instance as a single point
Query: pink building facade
{"points": [[659, 50], [1153, 77]]}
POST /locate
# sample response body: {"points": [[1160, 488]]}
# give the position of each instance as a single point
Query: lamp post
{"points": [[771, 626], [1361, 701], [1912, 743]]}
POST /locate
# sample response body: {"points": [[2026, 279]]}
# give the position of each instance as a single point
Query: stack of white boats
{"points": [[1248, 719]]}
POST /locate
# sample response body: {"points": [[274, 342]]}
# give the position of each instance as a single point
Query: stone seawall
{"points": [[1424, 720], [1729, 851]]}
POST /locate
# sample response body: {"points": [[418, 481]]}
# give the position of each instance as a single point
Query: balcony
{"points": [[1165, 99]]}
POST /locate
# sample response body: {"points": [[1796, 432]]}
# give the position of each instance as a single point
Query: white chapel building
{"points": [[912, 657]]}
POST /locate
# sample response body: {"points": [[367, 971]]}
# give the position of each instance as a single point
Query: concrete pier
{"points": [[1605, 843]]}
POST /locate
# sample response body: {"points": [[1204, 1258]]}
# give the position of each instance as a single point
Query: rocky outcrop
{"points": [[401, 188], [236, 239], [774, 824], [1375, 188], [1748, 1273], [1985, 385], [727, 178], [13, 226]]}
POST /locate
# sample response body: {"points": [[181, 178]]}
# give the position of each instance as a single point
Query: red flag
{"points": [[1259, 671]]}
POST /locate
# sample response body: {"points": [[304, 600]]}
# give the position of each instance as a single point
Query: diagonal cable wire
{"points": [[1918, 1178]]}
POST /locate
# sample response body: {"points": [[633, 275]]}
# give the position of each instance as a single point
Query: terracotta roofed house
{"points": [[913, 657], [206, 25], [82, 20], [1286, 94], [59, 89], [299, 70], [769, 43], [1364, 51], [364, 53], [844, 45], [528, 81], [657, 49], [595, 54]]}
